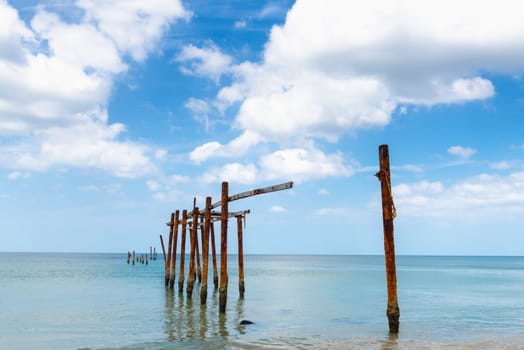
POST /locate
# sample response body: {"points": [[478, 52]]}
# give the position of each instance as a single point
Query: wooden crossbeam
{"points": [[255, 192]]}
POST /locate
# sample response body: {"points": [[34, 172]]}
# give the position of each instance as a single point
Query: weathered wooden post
{"points": [[163, 249], [191, 275], [241, 288], [388, 214], [223, 248], [214, 256], [169, 248], [182, 252], [150, 252], [173, 254], [198, 268], [128, 257], [205, 251]]}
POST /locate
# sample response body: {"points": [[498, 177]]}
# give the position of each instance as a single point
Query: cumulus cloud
{"points": [[207, 61], [54, 91], [236, 147], [461, 152], [329, 70], [277, 209], [483, 193], [301, 164]]}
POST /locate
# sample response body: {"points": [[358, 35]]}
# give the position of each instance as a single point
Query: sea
{"points": [[99, 301]]}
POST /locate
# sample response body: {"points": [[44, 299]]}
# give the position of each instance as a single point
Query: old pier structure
{"points": [[191, 221], [188, 225]]}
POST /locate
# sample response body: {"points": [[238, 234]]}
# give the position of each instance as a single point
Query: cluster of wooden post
{"points": [[141, 258], [204, 219]]}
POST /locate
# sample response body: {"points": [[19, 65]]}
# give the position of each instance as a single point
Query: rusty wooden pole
{"points": [[182, 252], [205, 251], [173, 254], [197, 252], [163, 249], [214, 256], [223, 249], [169, 248], [193, 235], [388, 214], [241, 287]]}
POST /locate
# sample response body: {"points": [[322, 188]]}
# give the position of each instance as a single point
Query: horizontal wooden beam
{"points": [[255, 192], [215, 216]]}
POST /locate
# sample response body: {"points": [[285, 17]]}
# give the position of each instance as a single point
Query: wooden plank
{"points": [[255, 192]]}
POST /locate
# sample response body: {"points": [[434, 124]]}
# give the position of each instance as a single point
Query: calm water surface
{"points": [[98, 301]]}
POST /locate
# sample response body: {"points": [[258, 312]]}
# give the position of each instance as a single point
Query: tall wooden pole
{"points": [[214, 256], [197, 252], [169, 248], [241, 287], [163, 249], [388, 214], [205, 250], [191, 273], [173, 254], [182, 252], [223, 249]]}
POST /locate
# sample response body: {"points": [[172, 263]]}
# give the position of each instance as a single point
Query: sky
{"points": [[113, 114]]}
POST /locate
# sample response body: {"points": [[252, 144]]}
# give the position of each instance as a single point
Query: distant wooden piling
{"points": [[182, 252], [128, 257], [169, 248], [133, 257], [163, 249], [192, 274], [205, 250], [241, 287], [388, 214], [173, 254], [214, 256], [223, 248]]}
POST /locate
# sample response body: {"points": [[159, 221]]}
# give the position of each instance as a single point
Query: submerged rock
{"points": [[246, 322]]}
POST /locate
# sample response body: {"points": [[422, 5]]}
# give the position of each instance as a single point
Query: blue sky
{"points": [[113, 114]]}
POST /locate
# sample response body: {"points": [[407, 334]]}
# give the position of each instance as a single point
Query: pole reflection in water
{"points": [[186, 319]]}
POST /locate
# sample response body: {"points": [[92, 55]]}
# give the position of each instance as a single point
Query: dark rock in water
{"points": [[246, 322]]}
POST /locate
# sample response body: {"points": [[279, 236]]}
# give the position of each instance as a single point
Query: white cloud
{"points": [[15, 175], [200, 109], [461, 152], [240, 24], [299, 164], [232, 172], [323, 192], [277, 209], [325, 72], [134, 26], [504, 165], [207, 61], [329, 70], [236, 147], [153, 185], [51, 63], [479, 195]]}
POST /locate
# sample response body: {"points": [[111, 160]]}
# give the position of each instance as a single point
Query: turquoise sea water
{"points": [[98, 301]]}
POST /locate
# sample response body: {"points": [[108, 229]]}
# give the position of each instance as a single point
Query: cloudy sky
{"points": [[115, 113]]}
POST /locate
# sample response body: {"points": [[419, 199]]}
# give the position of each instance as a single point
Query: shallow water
{"points": [[98, 301]]}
